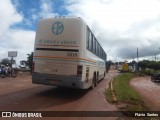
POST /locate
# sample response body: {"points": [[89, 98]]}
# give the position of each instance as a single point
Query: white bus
{"points": [[66, 53]]}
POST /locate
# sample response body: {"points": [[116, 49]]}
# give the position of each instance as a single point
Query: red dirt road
{"points": [[150, 91], [20, 94]]}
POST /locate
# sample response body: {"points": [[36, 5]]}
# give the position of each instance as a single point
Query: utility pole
{"points": [[137, 62], [11, 62], [155, 57]]}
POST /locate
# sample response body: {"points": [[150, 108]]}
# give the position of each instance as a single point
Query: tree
{"points": [[108, 64], [6, 61], [149, 64], [30, 60]]}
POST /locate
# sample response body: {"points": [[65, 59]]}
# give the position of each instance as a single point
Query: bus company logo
{"points": [[57, 28]]}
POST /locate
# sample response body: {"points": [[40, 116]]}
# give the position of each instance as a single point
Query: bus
{"points": [[66, 53]]}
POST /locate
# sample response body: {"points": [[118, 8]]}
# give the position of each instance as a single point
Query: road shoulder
{"points": [[150, 91]]}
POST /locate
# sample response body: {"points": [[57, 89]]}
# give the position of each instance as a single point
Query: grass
{"points": [[125, 93]]}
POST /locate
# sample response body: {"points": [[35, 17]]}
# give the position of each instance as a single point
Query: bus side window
{"points": [[90, 41], [105, 57], [102, 53], [87, 41], [96, 48], [94, 45], [99, 50]]}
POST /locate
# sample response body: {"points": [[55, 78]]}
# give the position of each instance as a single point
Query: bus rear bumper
{"points": [[58, 80]]}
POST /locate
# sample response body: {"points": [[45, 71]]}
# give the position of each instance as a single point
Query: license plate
{"points": [[51, 81]]}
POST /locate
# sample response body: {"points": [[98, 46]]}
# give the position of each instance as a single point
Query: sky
{"points": [[121, 26]]}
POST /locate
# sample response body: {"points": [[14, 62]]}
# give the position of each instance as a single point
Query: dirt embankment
{"points": [[150, 91]]}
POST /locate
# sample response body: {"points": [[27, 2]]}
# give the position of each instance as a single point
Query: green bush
{"points": [[147, 72]]}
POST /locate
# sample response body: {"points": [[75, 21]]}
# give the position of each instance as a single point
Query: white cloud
{"points": [[8, 16], [121, 25], [13, 39], [21, 39], [47, 9], [34, 17]]}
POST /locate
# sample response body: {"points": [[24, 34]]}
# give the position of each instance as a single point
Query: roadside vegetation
{"points": [[125, 94], [149, 67], [147, 72], [146, 64]]}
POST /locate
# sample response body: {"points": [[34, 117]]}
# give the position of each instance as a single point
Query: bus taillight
{"points": [[79, 70]]}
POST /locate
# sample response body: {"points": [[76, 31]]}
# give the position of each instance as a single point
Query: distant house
{"points": [[23, 64]]}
